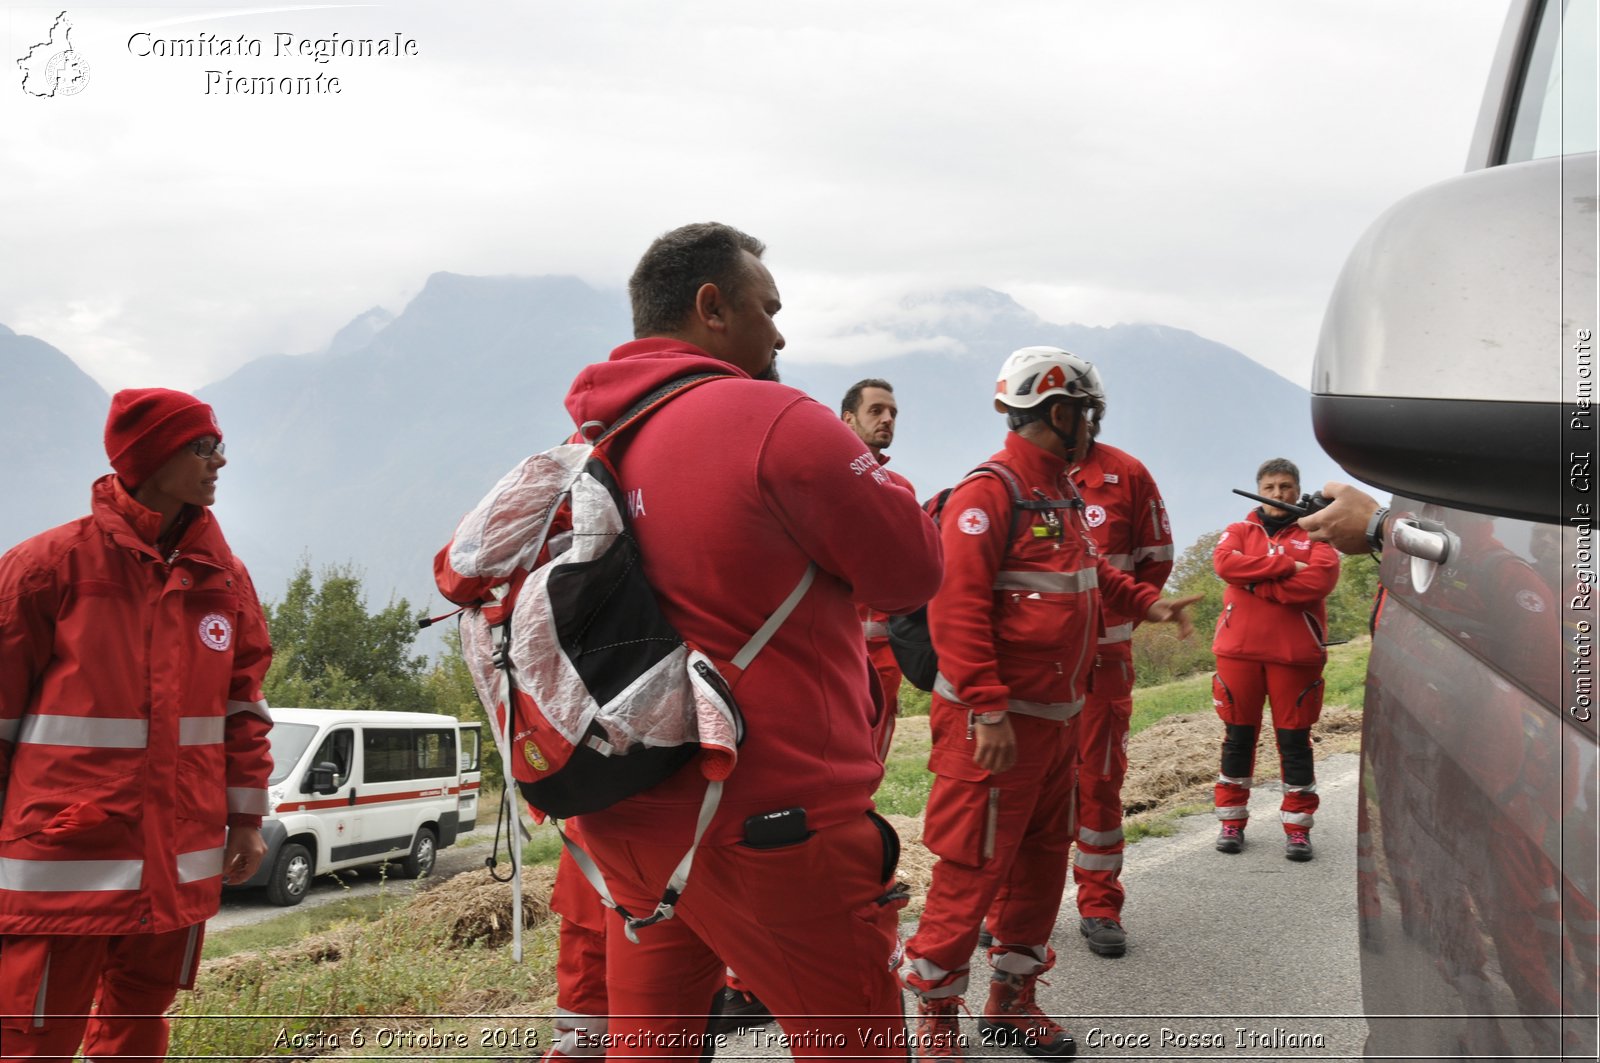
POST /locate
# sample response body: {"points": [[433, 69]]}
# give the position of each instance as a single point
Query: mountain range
{"points": [[368, 451]]}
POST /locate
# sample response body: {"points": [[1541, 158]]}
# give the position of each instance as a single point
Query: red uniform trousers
{"points": [[1239, 690], [581, 1004], [1102, 765], [48, 981], [887, 669], [809, 928], [1003, 844]]}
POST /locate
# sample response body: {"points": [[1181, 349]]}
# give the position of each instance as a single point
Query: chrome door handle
{"points": [[1429, 545]]}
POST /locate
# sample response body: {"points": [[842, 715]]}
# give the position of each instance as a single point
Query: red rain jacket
{"points": [[132, 730]]}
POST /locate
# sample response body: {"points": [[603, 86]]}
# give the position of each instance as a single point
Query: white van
{"points": [[354, 788]]}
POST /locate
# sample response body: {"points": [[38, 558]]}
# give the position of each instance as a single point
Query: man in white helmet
{"points": [[1014, 625]]}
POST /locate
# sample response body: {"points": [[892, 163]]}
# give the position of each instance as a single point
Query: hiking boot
{"points": [[1297, 846], [1230, 839], [937, 1035], [740, 1010], [1011, 1017], [1105, 936]]}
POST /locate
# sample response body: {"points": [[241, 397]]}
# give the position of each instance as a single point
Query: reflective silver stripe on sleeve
{"points": [[1298, 819], [1153, 553], [875, 629], [69, 876], [201, 730], [1233, 812], [1098, 861], [1046, 710], [946, 689], [200, 864], [1116, 634], [1122, 561], [1085, 579], [249, 800], [257, 707], [84, 731], [1101, 838], [8, 730]]}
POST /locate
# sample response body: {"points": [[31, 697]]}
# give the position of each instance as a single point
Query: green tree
{"points": [[1158, 654], [329, 652], [1350, 604], [449, 689]]}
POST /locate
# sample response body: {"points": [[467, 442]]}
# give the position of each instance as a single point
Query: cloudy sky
{"points": [[1197, 163]]}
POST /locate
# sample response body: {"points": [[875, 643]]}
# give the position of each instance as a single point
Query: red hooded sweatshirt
{"points": [[733, 488]]}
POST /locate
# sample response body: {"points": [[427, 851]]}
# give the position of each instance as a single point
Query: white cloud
{"points": [[1204, 164]]}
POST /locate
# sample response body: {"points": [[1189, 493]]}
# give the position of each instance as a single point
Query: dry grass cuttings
{"points": [[477, 908]]}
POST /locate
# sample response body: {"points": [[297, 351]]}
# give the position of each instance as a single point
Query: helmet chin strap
{"points": [[1069, 441]]}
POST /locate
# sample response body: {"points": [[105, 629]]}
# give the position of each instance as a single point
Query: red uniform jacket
{"points": [[1128, 519], [132, 729], [733, 489], [1016, 618], [1270, 612], [875, 622]]}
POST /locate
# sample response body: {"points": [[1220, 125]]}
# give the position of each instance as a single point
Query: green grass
{"points": [[256, 1006], [296, 923], [907, 781], [906, 778]]}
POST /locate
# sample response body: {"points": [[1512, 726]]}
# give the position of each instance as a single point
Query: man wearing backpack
{"points": [[734, 489], [1128, 519], [871, 412], [1014, 625]]}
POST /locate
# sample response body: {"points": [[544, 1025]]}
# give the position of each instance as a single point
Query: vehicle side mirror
{"points": [[321, 779]]}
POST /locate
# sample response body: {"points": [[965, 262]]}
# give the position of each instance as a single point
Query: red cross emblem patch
{"points": [[216, 631], [973, 521]]}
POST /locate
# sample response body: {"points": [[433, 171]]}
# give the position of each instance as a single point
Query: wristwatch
{"points": [[988, 719], [1375, 529]]}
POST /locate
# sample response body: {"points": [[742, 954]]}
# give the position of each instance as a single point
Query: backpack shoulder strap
{"points": [[655, 400]]}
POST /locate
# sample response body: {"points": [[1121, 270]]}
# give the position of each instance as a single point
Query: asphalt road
{"points": [[1246, 957]]}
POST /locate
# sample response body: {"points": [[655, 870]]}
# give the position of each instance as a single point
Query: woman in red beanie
{"points": [[133, 742]]}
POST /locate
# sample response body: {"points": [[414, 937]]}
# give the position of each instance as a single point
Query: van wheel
{"points": [[419, 862], [291, 875]]}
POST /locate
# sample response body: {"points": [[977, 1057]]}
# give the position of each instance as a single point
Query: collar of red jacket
{"points": [[136, 525], [1032, 462], [606, 390]]}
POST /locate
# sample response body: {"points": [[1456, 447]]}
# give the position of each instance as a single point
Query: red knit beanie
{"points": [[147, 426]]}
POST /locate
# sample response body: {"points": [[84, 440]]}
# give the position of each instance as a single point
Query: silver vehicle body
{"points": [[1455, 370]]}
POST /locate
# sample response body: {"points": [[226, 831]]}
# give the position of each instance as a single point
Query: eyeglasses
{"points": [[204, 448]]}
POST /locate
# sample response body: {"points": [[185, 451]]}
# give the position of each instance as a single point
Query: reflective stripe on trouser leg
{"points": [[1300, 798], [1102, 766], [46, 991], [1016, 885], [1238, 693], [578, 1036], [142, 975]]}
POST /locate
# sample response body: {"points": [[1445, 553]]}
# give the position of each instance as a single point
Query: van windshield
{"points": [[289, 741]]}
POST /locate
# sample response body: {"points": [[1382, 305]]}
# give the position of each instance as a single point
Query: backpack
{"points": [[909, 638], [591, 693]]}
